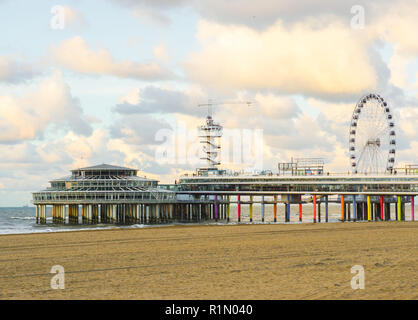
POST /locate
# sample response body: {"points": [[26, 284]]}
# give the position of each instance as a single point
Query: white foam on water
{"points": [[23, 218]]}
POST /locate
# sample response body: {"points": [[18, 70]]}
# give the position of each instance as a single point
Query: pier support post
{"points": [[40, 214], [319, 211], [326, 208], [342, 208], [251, 208], [288, 212], [368, 209], [95, 214], [381, 209], [314, 208], [113, 209], [365, 210], [399, 208], [216, 207], [275, 207], [288, 209], [300, 208], [239, 208], [262, 208], [89, 214], [387, 211], [228, 208], [102, 218], [412, 208], [354, 208], [348, 212], [37, 214]]}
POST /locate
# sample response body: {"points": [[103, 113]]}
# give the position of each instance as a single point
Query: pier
{"points": [[108, 194], [372, 191]]}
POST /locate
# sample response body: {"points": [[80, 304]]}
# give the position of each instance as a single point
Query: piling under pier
{"points": [[218, 208]]}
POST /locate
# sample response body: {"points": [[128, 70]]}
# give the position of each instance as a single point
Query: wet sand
{"points": [[308, 261]]}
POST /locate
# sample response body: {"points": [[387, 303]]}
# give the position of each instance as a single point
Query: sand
{"points": [[309, 261]]}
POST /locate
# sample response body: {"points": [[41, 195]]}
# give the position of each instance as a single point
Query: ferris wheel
{"points": [[372, 141]]}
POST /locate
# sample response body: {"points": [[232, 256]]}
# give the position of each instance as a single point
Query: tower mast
{"points": [[210, 134]]}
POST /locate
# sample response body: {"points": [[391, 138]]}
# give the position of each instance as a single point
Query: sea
{"points": [[19, 220]]}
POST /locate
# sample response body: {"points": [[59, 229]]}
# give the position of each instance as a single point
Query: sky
{"points": [[119, 82]]}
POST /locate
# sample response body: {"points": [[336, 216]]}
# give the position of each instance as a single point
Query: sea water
{"points": [[16, 220]]}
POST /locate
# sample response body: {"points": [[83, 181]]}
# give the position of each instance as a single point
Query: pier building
{"points": [[112, 194]]}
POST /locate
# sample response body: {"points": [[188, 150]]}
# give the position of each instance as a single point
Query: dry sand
{"points": [[215, 262]]}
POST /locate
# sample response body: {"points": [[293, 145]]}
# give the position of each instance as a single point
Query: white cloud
{"points": [[132, 97], [329, 60], [13, 71], [398, 24], [75, 54], [73, 17], [28, 116], [154, 12], [160, 52]]}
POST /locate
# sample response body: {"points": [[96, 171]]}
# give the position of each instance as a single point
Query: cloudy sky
{"points": [[89, 82]]}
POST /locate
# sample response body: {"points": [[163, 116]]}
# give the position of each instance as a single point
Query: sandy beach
{"points": [[309, 261]]}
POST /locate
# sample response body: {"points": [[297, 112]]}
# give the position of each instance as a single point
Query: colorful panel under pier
{"points": [[275, 208], [354, 208], [300, 208], [381, 209], [399, 208]]}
